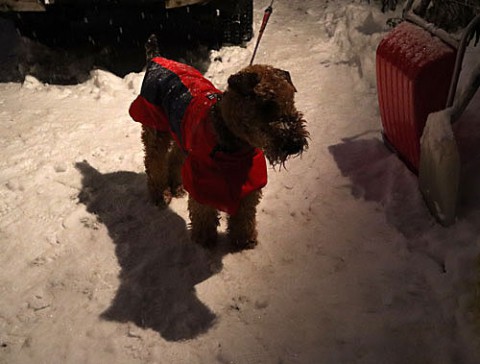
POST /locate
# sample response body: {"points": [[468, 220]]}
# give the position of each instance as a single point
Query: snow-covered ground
{"points": [[350, 268]]}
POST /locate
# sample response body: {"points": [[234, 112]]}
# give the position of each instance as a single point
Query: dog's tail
{"points": [[151, 47]]}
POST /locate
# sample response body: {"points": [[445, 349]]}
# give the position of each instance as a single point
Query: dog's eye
{"points": [[269, 108]]}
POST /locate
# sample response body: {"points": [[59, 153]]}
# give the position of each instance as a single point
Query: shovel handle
{"points": [[466, 37], [464, 98], [459, 44]]}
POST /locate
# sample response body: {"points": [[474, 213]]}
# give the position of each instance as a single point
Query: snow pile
{"points": [[224, 62], [356, 31], [31, 83], [438, 128], [103, 84]]}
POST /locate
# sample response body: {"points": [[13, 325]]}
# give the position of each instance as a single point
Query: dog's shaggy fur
{"points": [[256, 111]]}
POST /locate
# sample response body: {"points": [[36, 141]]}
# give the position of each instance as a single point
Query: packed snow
{"points": [[351, 267]]}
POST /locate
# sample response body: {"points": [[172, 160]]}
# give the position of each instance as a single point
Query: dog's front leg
{"points": [[157, 146], [204, 222], [242, 227]]}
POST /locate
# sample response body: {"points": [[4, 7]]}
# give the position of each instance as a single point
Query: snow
{"points": [[438, 127], [426, 46], [351, 267]]}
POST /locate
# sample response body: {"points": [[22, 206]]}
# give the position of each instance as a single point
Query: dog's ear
{"points": [[243, 82], [286, 75]]}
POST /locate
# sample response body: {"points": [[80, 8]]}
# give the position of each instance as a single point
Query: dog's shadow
{"points": [[160, 266]]}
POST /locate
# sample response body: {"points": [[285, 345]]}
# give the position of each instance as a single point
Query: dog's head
{"points": [[258, 107]]}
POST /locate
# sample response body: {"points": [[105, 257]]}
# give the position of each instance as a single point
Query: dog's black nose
{"points": [[293, 147]]}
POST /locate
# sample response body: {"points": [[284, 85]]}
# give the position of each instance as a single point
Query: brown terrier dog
{"points": [[214, 144]]}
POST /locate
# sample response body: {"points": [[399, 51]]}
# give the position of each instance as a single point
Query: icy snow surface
{"points": [[351, 268]]}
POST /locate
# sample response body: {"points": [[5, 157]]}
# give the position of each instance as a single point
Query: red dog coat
{"points": [[177, 98]]}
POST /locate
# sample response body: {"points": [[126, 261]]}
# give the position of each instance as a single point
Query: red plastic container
{"points": [[414, 71]]}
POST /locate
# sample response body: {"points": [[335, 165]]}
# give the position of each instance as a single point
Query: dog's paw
{"points": [[242, 239], [245, 244], [178, 191], [161, 199], [167, 197]]}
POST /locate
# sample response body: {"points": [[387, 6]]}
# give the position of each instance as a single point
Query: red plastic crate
{"points": [[414, 71]]}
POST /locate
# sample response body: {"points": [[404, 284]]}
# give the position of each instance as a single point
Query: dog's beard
{"points": [[286, 138]]}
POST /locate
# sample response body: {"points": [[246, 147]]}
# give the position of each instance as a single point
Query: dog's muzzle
{"points": [[293, 147]]}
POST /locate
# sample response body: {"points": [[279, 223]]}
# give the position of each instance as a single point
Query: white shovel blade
{"points": [[439, 170]]}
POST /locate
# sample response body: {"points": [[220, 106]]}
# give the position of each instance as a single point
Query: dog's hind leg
{"points": [[157, 146], [176, 158], [204, 222], [242, 227]]}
